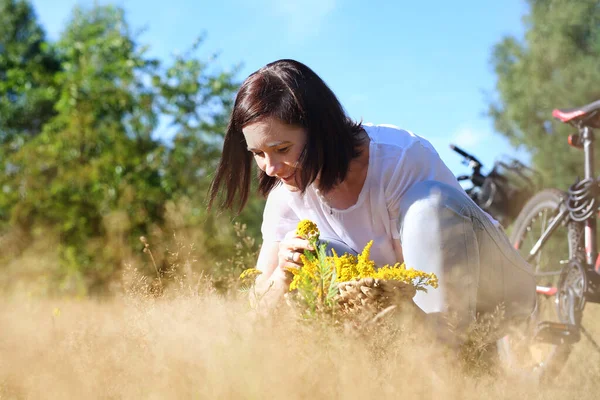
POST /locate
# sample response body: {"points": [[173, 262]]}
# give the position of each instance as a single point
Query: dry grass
{"points": [[192, 343], [187, 338]]}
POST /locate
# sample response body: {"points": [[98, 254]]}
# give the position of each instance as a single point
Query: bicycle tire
{"points": [[548, 200]]}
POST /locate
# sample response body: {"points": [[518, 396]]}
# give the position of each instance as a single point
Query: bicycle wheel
{"points": [[551, 265]]}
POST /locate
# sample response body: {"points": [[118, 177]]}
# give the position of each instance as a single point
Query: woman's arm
{"points": [[273, 283], [273, 262]]}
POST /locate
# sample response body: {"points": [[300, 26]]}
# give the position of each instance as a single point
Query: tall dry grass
{"points": [[186, 337], [194, 343]]}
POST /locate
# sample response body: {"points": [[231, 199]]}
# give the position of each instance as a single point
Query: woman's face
{"points": [[276, 147]]}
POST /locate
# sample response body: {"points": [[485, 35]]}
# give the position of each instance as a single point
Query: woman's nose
{"points": [[272, 167]]}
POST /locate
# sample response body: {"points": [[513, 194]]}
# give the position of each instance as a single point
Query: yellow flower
{"points": [[318, 272], [345, 266], [250, 273], [365, 267], [308, 272], [307, 229]]}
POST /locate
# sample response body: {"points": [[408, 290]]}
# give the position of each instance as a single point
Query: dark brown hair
{"points": [[291, 92]]}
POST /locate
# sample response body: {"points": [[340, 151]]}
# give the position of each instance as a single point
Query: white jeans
{"points": [[444, 232]]}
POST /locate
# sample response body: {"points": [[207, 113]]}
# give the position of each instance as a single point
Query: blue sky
{"points": [[421, 65]]}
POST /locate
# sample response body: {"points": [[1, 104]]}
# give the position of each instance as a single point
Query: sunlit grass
{"points": [[185, 336], [194, 343]]}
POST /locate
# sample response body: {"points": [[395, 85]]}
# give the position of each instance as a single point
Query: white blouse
{"points": [[397, 160]]}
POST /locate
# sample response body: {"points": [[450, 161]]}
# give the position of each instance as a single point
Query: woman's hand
{"points": [[290, 249]]}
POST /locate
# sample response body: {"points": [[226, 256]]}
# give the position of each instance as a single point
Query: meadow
{"points": [[192, 341]]}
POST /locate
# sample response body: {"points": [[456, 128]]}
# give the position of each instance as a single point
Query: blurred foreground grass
{"points": [[195, 343]]}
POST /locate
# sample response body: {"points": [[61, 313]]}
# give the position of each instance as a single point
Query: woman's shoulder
{"points": [[285, 202], [395, 140], [392, 135], [279, 196], [279, 216]]}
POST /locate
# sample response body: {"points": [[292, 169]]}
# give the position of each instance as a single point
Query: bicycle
{"points": [[503, 192], [556, 233]]}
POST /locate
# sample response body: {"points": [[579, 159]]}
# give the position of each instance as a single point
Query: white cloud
{"points": [[302, 18]]}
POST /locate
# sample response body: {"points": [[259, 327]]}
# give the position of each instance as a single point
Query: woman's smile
{"points": [[276, 148], [289, 178]]}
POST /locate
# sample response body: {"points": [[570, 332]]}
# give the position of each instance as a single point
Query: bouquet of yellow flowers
{"points": [[347, 282]]}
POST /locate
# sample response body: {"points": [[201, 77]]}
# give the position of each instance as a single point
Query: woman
{"points": [[361, 182]]}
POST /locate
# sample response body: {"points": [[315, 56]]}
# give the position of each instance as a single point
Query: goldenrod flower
{"points": [[364, 266], [307, 229], [309, 271], [250, 273], [319, 272], [345, 267]]}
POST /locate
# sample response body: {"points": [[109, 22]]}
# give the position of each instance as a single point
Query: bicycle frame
{"points": [[579, 276], [592, 259], [591, 247]]}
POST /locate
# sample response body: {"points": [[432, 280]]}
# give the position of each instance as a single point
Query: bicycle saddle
{"points": [[587, 115]]}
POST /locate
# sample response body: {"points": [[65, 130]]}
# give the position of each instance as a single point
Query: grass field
{"points": [[192, 343]]}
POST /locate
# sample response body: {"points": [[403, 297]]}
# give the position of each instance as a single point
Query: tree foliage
{"points": [[27, 69], [93, 169], [556, 65]]}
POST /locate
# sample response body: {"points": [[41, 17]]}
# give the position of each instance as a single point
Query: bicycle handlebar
{"points": [[465, 154]]}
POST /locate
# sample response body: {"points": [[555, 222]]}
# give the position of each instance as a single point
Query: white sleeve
{"points": [[278, 216], [419, 162]]}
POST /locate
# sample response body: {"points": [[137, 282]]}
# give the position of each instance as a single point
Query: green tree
{"points": [[92, 174], [27, 88], [97, 176], [199, 103], [27, 69], [556, 65]]}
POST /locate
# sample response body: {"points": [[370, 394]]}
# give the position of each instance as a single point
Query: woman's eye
{"points": [[283, 150], [257, 153]]}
